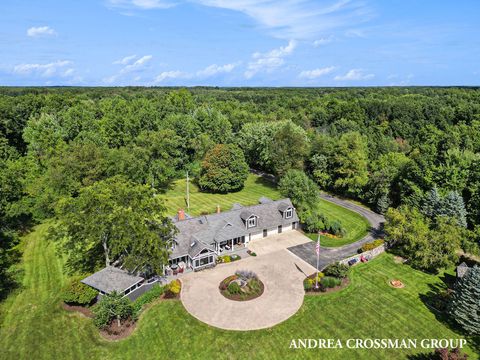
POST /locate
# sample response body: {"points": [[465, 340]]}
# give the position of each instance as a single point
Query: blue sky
{"points": [[240, 42]]}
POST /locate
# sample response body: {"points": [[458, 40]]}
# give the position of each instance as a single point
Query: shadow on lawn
{"points": [[436, 300]]}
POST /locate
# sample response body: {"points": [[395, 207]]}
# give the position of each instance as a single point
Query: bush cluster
{"points": [[246, 274], [173, 289], [372, 245], [233, 288], [154, 293], [336, 270], [77, 293], [228, 258]]}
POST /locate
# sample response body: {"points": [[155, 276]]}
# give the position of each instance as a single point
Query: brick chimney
{"points": [[218, 209], [181, 214]]}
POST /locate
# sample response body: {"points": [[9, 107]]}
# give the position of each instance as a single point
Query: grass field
{"points": [[256, 187], [34, 326], [356, 225]]}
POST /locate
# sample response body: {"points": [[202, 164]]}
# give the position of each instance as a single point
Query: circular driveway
{"points": [[281, 272]]}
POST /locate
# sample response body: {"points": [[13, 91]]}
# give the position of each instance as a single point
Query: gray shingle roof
{"points": [[112, 279], [264, 200], [227, 225]]}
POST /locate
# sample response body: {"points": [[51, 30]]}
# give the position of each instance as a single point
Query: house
{"points": [[112, 279], [201, 239]]}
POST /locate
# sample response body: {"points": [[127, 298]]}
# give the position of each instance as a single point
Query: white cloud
{"points": [[126, 60], [285, 19], [45, 70], [142, 4], [40, 31], [137, 65], [316, 73], [175, 74], [215, 69], [269, 61], [297, 19], [323, 41], [354, 75]]}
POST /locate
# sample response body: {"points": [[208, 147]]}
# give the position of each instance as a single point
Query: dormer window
{"points": [[251, 222], [288, 213]]}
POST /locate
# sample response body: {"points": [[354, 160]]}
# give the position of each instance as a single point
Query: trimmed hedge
{"points": [[78, 293], [151, 295], [336, 270]]}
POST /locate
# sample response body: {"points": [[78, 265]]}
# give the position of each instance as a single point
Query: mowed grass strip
{"points": [[35, 326], [355, 225], [256, 187]]}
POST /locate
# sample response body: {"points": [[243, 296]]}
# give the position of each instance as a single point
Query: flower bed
{"points": [[242, 286], [224, 259], [325, 283]]}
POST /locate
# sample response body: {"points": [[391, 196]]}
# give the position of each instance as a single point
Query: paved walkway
{"points": [[307, 252], [282, 274]]}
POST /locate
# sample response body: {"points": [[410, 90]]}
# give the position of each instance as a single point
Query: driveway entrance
{"points": [[282, 274], [277, 242]]}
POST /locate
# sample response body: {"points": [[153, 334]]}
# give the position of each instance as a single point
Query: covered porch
{"points": [[231, 245]]}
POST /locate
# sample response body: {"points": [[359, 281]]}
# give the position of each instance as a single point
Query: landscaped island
{"points": [[243, 286]]}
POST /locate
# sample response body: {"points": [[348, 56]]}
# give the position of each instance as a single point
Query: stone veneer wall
{"points": [[370, 254]]}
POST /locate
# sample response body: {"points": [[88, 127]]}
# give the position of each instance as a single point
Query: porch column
{"points": [[232, 245]]}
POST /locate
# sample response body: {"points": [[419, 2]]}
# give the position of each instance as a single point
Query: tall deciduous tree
{"points": [[117, 221], [351, 164], [224, 169], [428, 246]]}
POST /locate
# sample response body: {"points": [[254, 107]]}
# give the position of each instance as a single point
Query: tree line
{"points": [[413, 150]]}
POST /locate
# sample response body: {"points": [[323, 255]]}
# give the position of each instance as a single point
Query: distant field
{"points": [[33, 325], [255, 188], [355, 224]]}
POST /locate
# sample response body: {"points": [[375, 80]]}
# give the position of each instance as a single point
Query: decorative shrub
{"points": [[78, 293], [173, 289], [337, 270], [112, 307], [151, 295], [251, 253], [336, 228], [372, 245], [246, 274], [233, 288], [329, 282]]}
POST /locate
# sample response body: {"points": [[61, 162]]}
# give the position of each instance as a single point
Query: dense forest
{"points": [[412, 153]]}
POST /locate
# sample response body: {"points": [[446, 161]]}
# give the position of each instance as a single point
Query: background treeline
{"points": [[417, 148]]}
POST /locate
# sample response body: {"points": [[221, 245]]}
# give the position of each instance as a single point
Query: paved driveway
{"points": [[277, 242], [307, 252], [281, 272]]}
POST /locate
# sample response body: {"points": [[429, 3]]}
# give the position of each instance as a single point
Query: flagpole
{"points": [[318, 259]]}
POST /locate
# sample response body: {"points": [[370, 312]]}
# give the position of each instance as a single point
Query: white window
{"points": [[251, 222], [288, 213]]}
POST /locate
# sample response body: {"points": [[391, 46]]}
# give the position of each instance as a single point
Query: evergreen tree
{"points": [[454, 206], [432, 203], [465, 304]]}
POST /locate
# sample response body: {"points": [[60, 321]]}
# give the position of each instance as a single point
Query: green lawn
{"points": [[34, 326], [255, 188], [356, 225]]}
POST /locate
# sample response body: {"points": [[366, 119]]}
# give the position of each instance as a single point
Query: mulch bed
{"points": [[241, 297], [397, 284], [343, 285], [76, 308], [113, 332]]}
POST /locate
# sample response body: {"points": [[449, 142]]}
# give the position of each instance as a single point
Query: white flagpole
{"points": [[318, 259], [188, 194]]}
